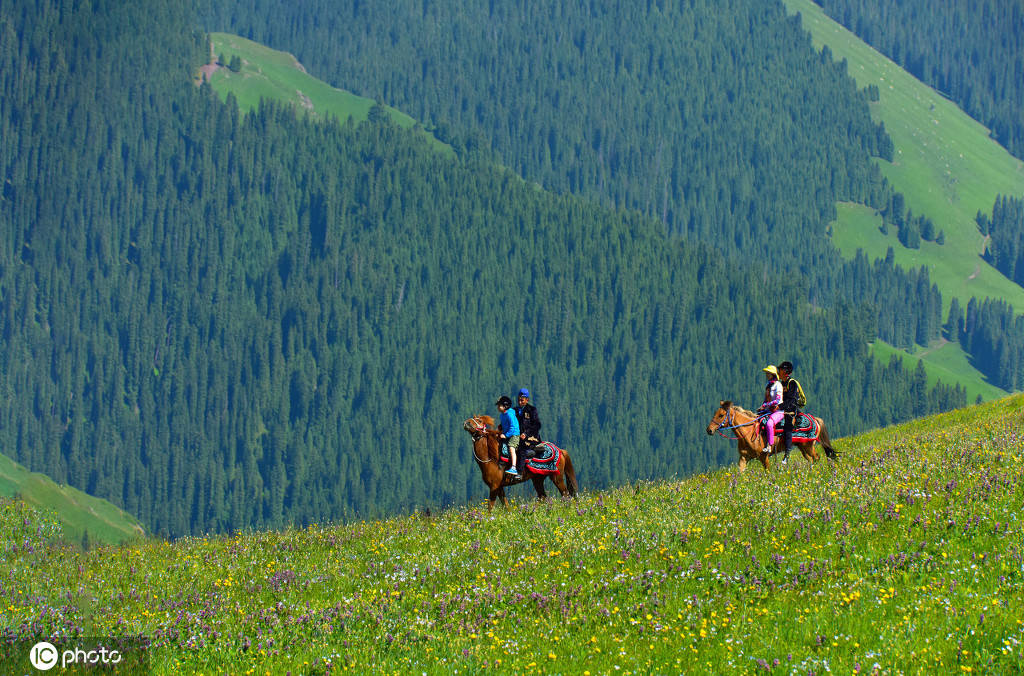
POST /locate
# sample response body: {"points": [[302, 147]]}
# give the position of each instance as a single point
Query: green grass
{"points": [[947, 362], [76, 511], [903, 558], [269, 74], [946, 165]]}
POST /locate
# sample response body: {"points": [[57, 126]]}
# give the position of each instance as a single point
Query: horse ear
{"points": [[726, 404]]}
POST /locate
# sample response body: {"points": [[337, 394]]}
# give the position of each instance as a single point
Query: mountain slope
{"points": [[971, 51], [709, 116], [77, 513], [949, 169], [262, 64], [904, 556], [947, 165], [719, 119], [264, 73]]}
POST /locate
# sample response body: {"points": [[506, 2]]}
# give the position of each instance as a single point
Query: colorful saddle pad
{"points": [[805, 428], [544, 461]]}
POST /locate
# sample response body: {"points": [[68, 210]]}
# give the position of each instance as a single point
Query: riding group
{"points": [[514, 452], [518, 425], [783, 399], [757, 432]]}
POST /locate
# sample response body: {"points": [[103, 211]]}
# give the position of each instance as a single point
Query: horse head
{"points": [[478, 426], [722, 417]]}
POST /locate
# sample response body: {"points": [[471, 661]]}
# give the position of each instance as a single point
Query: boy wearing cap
{"points": [[509, 432], [529, 421], [793, 400]]}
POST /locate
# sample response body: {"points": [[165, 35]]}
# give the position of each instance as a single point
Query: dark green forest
{"points": [[1005, 229], [222, 321], [970, 50], [718, 119]]}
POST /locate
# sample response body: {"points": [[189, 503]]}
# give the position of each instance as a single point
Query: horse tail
{"points": [[826, 442], [570, 475]]}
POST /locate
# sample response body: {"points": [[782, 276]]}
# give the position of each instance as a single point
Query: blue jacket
{"points": [[509, 423]]}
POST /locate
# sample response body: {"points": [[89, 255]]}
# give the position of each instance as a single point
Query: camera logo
{"points": [[43, 656]]}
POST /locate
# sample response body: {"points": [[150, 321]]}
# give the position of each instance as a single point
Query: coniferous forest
{"points": [[221, 320]]}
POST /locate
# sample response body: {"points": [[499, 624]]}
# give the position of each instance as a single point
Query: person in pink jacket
{"points": [[772, 400]]}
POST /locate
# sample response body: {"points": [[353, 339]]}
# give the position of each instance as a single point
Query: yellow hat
{"points": [[772, 370]]}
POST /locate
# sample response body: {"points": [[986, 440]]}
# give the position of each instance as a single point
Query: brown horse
{"points": [[485, 452], [751, 444]]}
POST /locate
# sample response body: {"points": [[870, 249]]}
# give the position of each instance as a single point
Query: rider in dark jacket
{"points": [[790, 405], [529, 421]]}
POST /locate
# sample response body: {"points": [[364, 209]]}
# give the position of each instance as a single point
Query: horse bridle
{"points": [[728, 421], [478, 431]]}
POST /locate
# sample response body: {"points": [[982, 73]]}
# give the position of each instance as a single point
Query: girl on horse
{"points": [[772, 400]]}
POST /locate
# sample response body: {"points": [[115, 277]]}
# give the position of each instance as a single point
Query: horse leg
{"points": [[538, 485], [570, 476], [501, 496], [809, 451], [826, 442], [491, 498], [743, 464], [560, 484]]}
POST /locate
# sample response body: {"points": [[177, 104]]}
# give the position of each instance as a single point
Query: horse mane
{"points": [[486, 419], [738, 409]]}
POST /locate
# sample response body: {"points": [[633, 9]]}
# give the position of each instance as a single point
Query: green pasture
{"points": [[946, 165], [904, 557], [269, 74], [77, 512], [948, 168], [944, 361]]}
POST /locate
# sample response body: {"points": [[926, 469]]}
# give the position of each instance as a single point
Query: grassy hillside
{"points": [[948, 168], [943, 361], [269, 74], [906, 556], [75, 511], [945, 164]]}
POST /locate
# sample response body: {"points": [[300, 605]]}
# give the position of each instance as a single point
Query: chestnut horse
{"points": [[485, 452], [751, 444]]}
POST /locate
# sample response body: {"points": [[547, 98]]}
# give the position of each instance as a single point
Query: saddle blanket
{"points": [[805, 428], [544, 461]]}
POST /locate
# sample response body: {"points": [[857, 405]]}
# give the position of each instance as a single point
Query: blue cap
{"points": [[524, 393]]}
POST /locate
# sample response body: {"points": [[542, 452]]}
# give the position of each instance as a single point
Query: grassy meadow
{"points": [[906, 557], [948, 168], [76, 512], [946, 165], [277, 76], [944, 361]]}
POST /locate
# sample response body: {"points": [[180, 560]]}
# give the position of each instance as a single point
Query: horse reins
{"points": [[478, 434], [728, 419]]}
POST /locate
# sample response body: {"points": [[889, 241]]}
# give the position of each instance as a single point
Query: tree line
{"points": [[1005, 230]]}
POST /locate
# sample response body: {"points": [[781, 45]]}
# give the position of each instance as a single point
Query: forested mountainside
{"points": [[709, 116], [971, 51], [990, 329], [716, 118], [219, 320]]}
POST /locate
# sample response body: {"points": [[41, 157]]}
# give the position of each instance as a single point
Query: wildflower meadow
{"points": [[905, 557]]}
